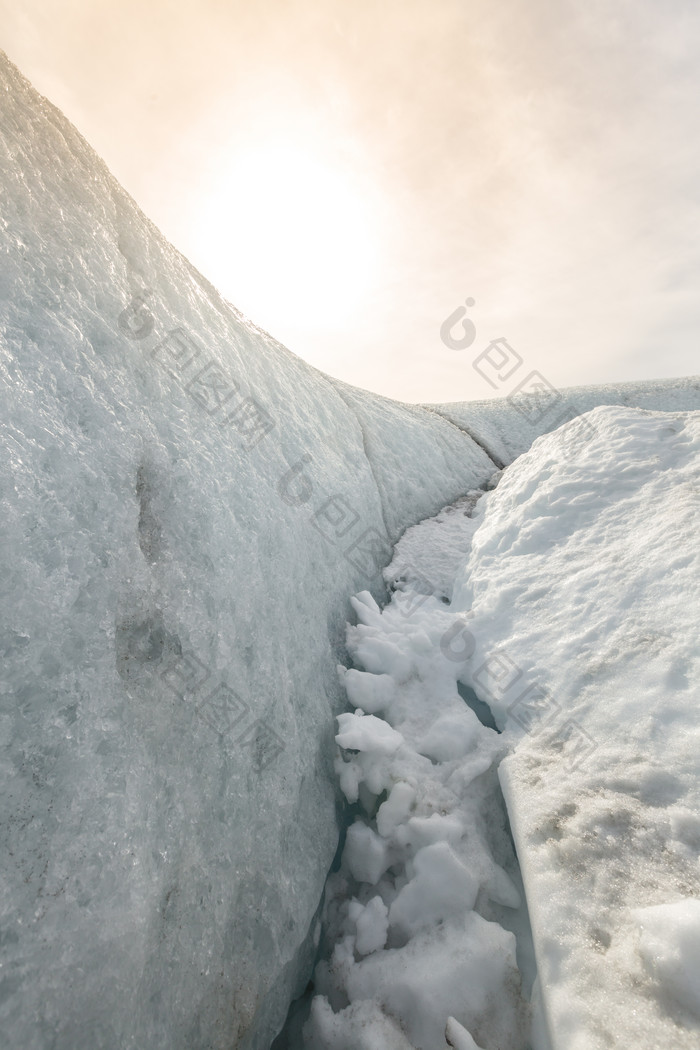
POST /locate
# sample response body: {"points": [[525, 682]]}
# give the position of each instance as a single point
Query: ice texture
{"points": [[580, 594], [186, 508], [507, 426]]}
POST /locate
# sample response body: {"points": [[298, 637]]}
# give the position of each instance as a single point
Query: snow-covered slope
{"points": [[581, 595]]}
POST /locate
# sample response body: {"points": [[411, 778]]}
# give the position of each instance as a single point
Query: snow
{"points": [[428, 555], [580, 595], [458, 1037], [368, 734], [371, 925], [417, 942], [670, 948], [573, 616]]}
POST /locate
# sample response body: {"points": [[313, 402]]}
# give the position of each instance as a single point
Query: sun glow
{"points": [[294, 238]]}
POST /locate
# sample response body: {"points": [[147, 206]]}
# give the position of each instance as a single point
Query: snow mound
{"points": [[580, 595]]}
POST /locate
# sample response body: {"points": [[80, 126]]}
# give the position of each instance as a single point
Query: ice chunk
{"points": [[394, 812], [421, 868], [451, 736], [367, 733], [371, 925], [366, 855], [441, 887], [361, 1026], [456, 971], [372, 692]]}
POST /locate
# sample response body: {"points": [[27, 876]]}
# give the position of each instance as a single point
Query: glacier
{"points": [[188, 507]]}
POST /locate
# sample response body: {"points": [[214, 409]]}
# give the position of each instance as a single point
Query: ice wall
{"points": [[507, 426], [187, 509]]}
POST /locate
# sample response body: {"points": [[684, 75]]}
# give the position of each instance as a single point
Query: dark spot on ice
{"points": [[142, 642], [149, 531], [601, 939]]}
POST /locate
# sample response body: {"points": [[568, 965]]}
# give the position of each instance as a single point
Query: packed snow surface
{"points": [[581, 595]]}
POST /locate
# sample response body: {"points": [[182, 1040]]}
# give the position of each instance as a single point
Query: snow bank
{"points": [[581, 598]]}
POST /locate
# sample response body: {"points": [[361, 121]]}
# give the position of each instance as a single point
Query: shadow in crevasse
{"points": [[480, 709]]}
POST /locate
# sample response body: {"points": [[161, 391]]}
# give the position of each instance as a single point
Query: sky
{"points": [[388, 188]]}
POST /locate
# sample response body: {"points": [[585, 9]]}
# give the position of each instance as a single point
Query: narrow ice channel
{"points": [[425, 938]]}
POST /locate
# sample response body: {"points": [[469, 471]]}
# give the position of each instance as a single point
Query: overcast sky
{"points": [[348, 174]]}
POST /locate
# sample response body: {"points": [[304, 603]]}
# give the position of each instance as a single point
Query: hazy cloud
{"points": [[542, 158]]}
